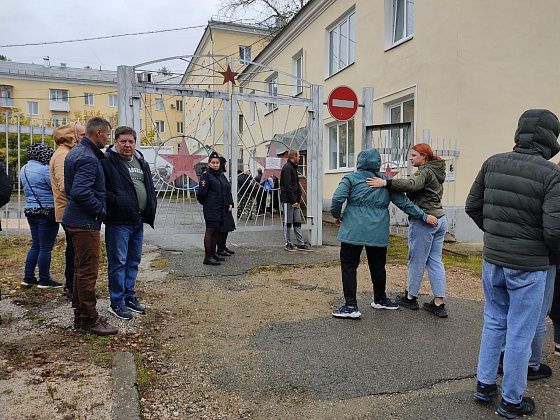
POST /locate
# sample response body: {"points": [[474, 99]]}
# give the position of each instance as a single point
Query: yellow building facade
{"points": [[461, 72]]}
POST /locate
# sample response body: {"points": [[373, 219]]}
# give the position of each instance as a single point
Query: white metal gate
{"points": [[281, 120]]}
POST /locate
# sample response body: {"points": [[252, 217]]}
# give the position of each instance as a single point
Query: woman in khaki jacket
{"points": [[65, 137]]}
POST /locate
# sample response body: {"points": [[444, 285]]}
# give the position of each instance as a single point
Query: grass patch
{"points": [[143, 374]]}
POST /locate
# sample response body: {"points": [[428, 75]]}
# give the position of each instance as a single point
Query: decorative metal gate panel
{"points": [[252, 126]]}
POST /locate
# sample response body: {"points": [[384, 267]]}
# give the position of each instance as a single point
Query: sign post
{"points": [[342, 103]]}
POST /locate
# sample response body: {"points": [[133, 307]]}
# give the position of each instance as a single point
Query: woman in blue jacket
{"points": [[365, 222], [213, 193], [39, 210]]}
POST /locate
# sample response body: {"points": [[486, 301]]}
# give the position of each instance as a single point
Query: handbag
{"points": [[48, 212]]}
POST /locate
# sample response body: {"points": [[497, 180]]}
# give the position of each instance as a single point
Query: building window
{"points": [[6, 96], [341, 145], [33, 108], [298, 71], [342, 43], [272, 89], [240, 124], [244, 54], [59, 95], [401, 138], [159, 105], [160, 126], [88, 99], [58, 120], [399, 21], [179, 105], [113, 100], [180, 127]]}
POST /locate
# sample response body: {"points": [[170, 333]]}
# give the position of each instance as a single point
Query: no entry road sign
{"points": [[342, 103]]}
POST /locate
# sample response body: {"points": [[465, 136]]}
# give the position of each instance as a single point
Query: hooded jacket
{"points": [[365, 221], [122, 201], [424, 187], [65, 139], [290, 190], [515, 198]]}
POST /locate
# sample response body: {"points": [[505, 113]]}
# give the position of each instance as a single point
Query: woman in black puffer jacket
{"points": [[214, 194]]}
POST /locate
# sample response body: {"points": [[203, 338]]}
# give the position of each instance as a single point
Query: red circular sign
{"points": [[342, 103]]}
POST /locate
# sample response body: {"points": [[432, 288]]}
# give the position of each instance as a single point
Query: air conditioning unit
{"points": [[172, 106]]}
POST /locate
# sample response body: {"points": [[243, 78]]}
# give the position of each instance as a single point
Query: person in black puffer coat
{"points": [[229, 223], [514, 200], [213, 193]]}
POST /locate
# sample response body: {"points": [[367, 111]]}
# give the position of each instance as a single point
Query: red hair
{"points": [[426, 150]]}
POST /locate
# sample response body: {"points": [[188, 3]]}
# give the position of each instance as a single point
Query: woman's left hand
{"points": [[376, 182]]}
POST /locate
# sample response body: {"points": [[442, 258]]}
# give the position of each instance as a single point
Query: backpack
{"points": [[5, 188]]}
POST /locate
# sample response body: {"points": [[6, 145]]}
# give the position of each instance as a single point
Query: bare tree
{"points": [[279, 11]]}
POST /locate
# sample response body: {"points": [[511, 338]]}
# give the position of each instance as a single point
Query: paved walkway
{"points": [[422, 367]]}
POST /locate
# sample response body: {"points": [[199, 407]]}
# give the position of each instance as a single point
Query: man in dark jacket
{"points": [[514, 200], [84, 184], [290, 196], [131, 202]]}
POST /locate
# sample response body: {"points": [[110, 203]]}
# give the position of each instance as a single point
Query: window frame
{"points": [[400, 104], [55, 97], [60, 120], [298, 71], [348, 19], [392, 39], [179, 105], [159, 126], [29, 108], [115, 101], [87, 97], [180, 127], [350, 157], [243, 49], [159, 104], [272, 90]]}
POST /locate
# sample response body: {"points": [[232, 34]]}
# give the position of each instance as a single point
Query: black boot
{"points": [[218, 258], [229, 250], [223, 253], [210, 261]]}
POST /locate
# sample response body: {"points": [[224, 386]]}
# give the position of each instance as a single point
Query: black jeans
{"points": [[349, 262], [211, 237]]}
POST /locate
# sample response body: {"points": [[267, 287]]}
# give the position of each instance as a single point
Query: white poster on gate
{"points": [[273, 163]]}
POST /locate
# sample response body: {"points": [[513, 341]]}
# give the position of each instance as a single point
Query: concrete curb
{"points": [[127, 401]]}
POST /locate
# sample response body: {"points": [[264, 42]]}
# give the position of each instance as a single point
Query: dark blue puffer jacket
{"points": [[84, 183]]}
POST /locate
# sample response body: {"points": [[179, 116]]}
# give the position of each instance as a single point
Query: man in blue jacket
{"points": [[84, 184], [131, 202]]}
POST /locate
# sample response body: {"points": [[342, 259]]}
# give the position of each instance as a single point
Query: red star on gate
{"points": [[183, 163], [389, 171], [229, 76], [262, 161]]}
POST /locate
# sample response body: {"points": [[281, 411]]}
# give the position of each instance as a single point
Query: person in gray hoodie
{"points": [[365, 222], [514, 200]]}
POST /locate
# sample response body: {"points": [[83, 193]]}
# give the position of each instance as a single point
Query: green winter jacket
{"points": [[424, 187], [365, 221]]}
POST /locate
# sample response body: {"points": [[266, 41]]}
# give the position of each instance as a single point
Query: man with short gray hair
{"points": [[131, 202]]}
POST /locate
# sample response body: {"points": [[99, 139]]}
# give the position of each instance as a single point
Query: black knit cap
{"points": [[222, 160], [213, 155]]}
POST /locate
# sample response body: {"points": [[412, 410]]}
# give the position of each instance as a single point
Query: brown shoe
{"points": [[100, 327]]}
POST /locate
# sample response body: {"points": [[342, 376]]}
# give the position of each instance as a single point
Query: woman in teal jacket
{"points": [[365, 222]]}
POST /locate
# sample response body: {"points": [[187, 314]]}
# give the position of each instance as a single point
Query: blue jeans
{"points": [[43, 237], [124, 251], [513, 302], [425, 245], [538, 340]]}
